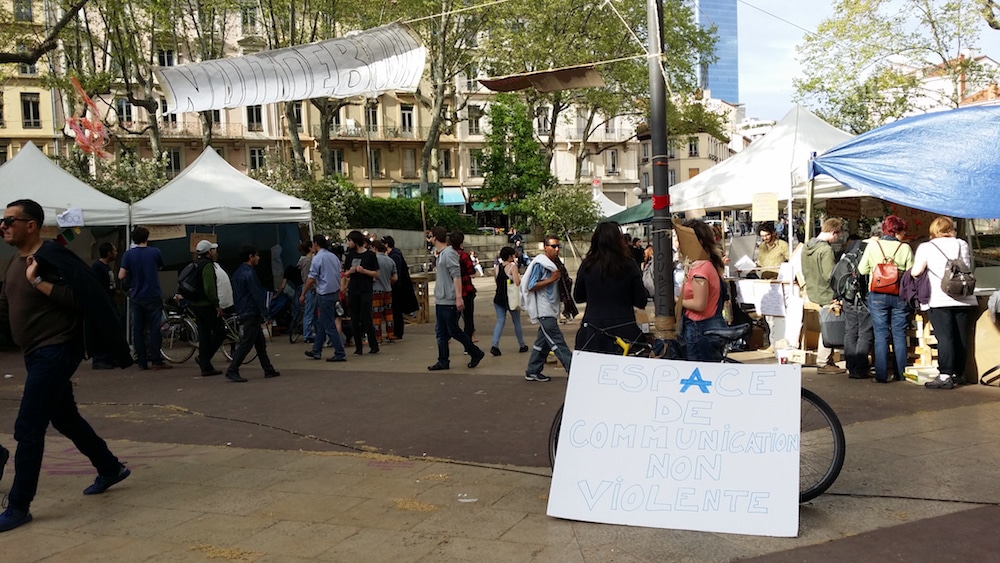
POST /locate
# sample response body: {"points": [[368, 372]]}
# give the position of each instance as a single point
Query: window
{"points": [[671, 153], [256, 158], [248, 20], [123, 108], [169, 119], [645, 180], [475, 114], [609, 126], [214, 117], [24, 68], [2, 122], [693, 146], [406, 118], [586, 166], [22, 11], [371, 117], [297, 115], [409, 163], [3, 155], [375, 164], [255, 120], [645, 152], [445, 169], [31, 116], [692, 172], [173, 158], [542, 121], [336, 120], [613, 161], [165, 57], [470, 78], [476, 163], [338, 161], [671, 177]]}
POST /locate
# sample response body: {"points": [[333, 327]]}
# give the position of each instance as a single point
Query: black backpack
{"points": [[958, 280], [847, 283], [189, 283]]}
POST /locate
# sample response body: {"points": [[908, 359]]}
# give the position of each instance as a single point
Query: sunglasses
{"points": [[8, 221], [554, 245]]}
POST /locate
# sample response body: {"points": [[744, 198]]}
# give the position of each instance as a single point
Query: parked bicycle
{"points": [[234, 332], [178, 332], [822, 446]]}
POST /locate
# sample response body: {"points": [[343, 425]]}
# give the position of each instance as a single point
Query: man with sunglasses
{"points": [[540, 298], [56, 311]]}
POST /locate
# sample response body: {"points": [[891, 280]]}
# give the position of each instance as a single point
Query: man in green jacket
{"points": [[817, 267], [208, 314]]}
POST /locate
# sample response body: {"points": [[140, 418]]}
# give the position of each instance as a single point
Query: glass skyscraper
{"points": [[723, 76]]}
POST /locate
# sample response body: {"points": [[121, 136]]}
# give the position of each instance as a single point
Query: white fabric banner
{"points": [[371, 62], [686, 445]]}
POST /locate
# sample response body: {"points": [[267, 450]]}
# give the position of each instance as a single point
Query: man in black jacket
{"points": [[52, 305]]}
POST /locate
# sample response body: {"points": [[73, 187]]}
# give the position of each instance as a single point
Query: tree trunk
{"points": [[298, 158]]}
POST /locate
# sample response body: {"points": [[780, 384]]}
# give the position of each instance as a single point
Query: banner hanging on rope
{"points": [[377, 60]]}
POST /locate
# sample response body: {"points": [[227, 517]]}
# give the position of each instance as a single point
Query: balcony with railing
{"points": [[379, 133], [597, 134], [179, 129]]}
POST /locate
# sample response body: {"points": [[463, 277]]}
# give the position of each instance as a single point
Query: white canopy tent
{"points": [[211, 192], [608, 207], [32, 175], [776, 163]]}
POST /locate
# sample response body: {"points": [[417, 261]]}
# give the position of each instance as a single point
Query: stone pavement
{"points": [[294, 468]]}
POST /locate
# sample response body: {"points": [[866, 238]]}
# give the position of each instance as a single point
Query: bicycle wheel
{"points": [[554, 436], [179, 339], [821, 446], [295, 327], [234, 333]]}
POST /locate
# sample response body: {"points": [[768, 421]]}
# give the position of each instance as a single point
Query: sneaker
{"points": [[272, 374], [12, 518], [536, 377], [831, 369], [437, 367], [522, 349], [494, 350], [478, 357], [309, 354], [103, 483], [4, 456], [945, 383]]}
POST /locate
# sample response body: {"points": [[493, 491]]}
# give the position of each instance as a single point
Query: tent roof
{"points": [[777, 162], [607, 206], [211, 192], [946, 162], [634, 214], [31, 174]]}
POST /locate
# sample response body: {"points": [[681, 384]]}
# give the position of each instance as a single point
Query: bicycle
{"points": [[822, 446], [234, 332], [179, 334], [295, 326]]}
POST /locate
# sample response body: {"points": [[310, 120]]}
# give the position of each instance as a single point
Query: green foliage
{"points": [[381, 213], [126, 178], [563, 209], [513, 165], [333, 198]]}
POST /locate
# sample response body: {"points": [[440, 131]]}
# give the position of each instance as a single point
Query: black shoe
{"points": [[940, 384], [358, 352], [336, 359], [272, 374], [523, 349], [211, 373], [103, 483], [12, 518], [374, 351], [494, 350], [877, 380], [437, 367], [859, 376], [4, 456], [477, 357], [236, 378], [309, 354]]}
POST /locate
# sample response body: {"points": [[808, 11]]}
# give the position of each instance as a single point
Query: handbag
{"points": [[832, 326], [513, 295], [885, 275]]}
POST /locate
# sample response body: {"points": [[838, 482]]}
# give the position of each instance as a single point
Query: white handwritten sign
{"points": [[685, 445], [373, 61]]}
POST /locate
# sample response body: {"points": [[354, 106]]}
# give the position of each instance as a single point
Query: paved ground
{"points": [[291, 469]]}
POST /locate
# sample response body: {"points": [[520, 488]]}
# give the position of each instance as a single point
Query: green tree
{"points": [[127, 178], [563, 209], [513, 165], [333, 198], [873, 61]]}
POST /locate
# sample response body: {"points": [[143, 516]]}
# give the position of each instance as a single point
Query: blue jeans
{"points": [[446, 328], [147, 314], [889, 316], [700, 348], [515, 318], [48, 397], [549, 338], [309, 316], [325, 326]]}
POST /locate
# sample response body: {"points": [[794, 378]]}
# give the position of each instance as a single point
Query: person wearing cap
{"points": [[208, 313], [141, 267]]}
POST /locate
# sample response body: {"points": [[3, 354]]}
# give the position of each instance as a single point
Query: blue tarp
{"points": [[946, 162]]}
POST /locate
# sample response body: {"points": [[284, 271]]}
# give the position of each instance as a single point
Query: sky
{"points": [[767, 50]]}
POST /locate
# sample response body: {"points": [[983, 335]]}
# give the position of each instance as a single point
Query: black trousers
{"points": [[360, 306], [211, 334], [858, 338], [951, 329], [252, 337]]}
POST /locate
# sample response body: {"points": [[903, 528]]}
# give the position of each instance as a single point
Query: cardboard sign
{"points": [[687, 242], [685, 445], [765, 207], [848, 208], [166, 232]]}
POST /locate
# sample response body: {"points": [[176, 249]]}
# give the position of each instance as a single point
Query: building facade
{"points": [[723, 76]]}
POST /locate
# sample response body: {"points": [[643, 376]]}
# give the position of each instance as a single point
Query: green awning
{"points": [[635, 214], [488, 206]]}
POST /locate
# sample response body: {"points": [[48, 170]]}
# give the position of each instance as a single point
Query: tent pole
{"points": [[809, 202]]}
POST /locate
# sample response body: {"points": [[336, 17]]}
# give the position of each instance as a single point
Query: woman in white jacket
{"points": [[949, 315]]}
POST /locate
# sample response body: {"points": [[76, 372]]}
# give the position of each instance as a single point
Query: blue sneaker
{"points": [[103, 483], [12, 518], [4, 456]]}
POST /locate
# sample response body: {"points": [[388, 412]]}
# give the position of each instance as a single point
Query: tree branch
{"points": [[49, 43]]}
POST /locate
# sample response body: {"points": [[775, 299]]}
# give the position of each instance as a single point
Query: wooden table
{"points": [[421, 284]]}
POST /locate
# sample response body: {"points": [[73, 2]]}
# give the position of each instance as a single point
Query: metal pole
{"points": [[663, 300]]}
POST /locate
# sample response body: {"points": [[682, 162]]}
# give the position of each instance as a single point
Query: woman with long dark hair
{"points": [[610, 283], [702, 298]]}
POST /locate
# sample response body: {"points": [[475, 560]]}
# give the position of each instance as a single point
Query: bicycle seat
{"points": [[730, 333]]}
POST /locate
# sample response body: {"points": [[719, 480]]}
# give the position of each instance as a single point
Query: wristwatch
{"points": [[36, 281]]}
